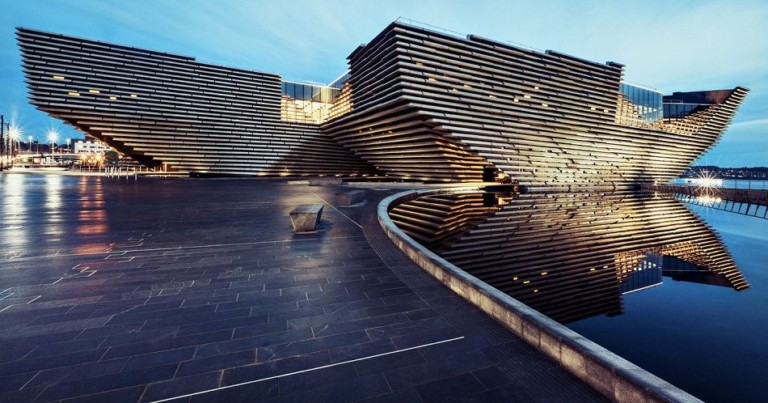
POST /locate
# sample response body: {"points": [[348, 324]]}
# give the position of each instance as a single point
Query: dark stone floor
{"points": [[197, 290]]}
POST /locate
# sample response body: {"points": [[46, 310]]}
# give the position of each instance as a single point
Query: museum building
{"points": [[415, 104]]}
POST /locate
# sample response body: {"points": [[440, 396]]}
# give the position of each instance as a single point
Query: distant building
{"points": [[90, 147]]}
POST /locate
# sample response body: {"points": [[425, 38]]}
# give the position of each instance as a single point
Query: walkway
{"points": [[197, 290]]}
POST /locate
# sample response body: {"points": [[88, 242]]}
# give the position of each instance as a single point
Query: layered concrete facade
{"points": [[416, 104]]}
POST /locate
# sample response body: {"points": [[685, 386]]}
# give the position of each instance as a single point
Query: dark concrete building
{"points": [[415, 104]]}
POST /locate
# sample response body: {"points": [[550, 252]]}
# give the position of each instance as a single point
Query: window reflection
{"points": [[644, 105], [315, 103]]}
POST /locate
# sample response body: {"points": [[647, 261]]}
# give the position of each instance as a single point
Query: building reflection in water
{"points": [[13, 214], [57, 214], [91, 216], [54, 228], [570, 255]]}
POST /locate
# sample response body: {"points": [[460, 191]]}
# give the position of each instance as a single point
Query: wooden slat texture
{"points": [[418, 105]]}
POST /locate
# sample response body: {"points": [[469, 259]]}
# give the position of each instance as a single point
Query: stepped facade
{"points": [[416, 104]]}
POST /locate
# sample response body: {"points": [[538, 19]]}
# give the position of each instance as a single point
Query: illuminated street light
{"points": [[53, 136], [69, 141], [14, 133], [30, 144]]}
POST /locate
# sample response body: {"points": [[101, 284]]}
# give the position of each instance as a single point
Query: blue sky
{"points": [[667, 45]]}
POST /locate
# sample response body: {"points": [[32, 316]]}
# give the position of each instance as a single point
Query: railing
{"points": [[751, 202]]}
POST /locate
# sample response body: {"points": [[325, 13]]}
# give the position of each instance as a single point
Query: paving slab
{"points": [[199, 290]]}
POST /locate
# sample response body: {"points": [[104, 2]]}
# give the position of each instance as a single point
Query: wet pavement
{"points": [[198, 290]]}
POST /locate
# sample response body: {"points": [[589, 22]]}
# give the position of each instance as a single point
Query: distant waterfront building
{"points": [[90, 147], [415, 104]]}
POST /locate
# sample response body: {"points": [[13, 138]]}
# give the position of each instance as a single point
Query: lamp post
{"points": [[2, 142], [52, 137], [30, 144], [69, 141], [14, 134]]}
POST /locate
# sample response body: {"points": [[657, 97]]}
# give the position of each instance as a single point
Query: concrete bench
{"points": [[305, 217], [346, 199]]}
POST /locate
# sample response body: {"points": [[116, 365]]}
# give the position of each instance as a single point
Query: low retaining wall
{"points": [[613, 376]]}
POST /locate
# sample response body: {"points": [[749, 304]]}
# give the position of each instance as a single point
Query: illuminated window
{"points": [[74, 94], [134, 96], [526, 96], [113, 98], [545, 105], [58, 77], [432, 79], [92, 91]]}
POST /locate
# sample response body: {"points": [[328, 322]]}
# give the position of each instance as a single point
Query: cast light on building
{"points": [[415, 104]]}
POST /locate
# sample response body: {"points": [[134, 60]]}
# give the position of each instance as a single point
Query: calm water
{"points": [[710, 341], [562, 253]]}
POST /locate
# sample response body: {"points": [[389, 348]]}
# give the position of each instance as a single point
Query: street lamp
{"points": [[53, 135], [14, 133], [69, 141], [30, 144]]}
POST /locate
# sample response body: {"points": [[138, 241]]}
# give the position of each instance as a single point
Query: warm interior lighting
{"points": [[113, 98], [134, 96], [73, 94], [92, 91], [431, 79], [58, 77]]}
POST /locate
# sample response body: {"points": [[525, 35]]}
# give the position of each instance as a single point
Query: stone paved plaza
{"points": [[198, 290]]}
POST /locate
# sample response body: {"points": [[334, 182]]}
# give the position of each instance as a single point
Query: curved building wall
{"points": [[165, 109], [541, 118], [417, 104]]}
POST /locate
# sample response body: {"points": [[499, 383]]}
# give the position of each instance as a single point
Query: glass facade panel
{"points": [[307, 103], [647, 103], [679, 110]]}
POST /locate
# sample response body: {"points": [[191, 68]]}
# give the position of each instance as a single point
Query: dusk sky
{"points": [[669, 46]]}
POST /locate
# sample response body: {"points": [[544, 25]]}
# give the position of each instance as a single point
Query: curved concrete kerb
{"points": [[615, 377]]}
